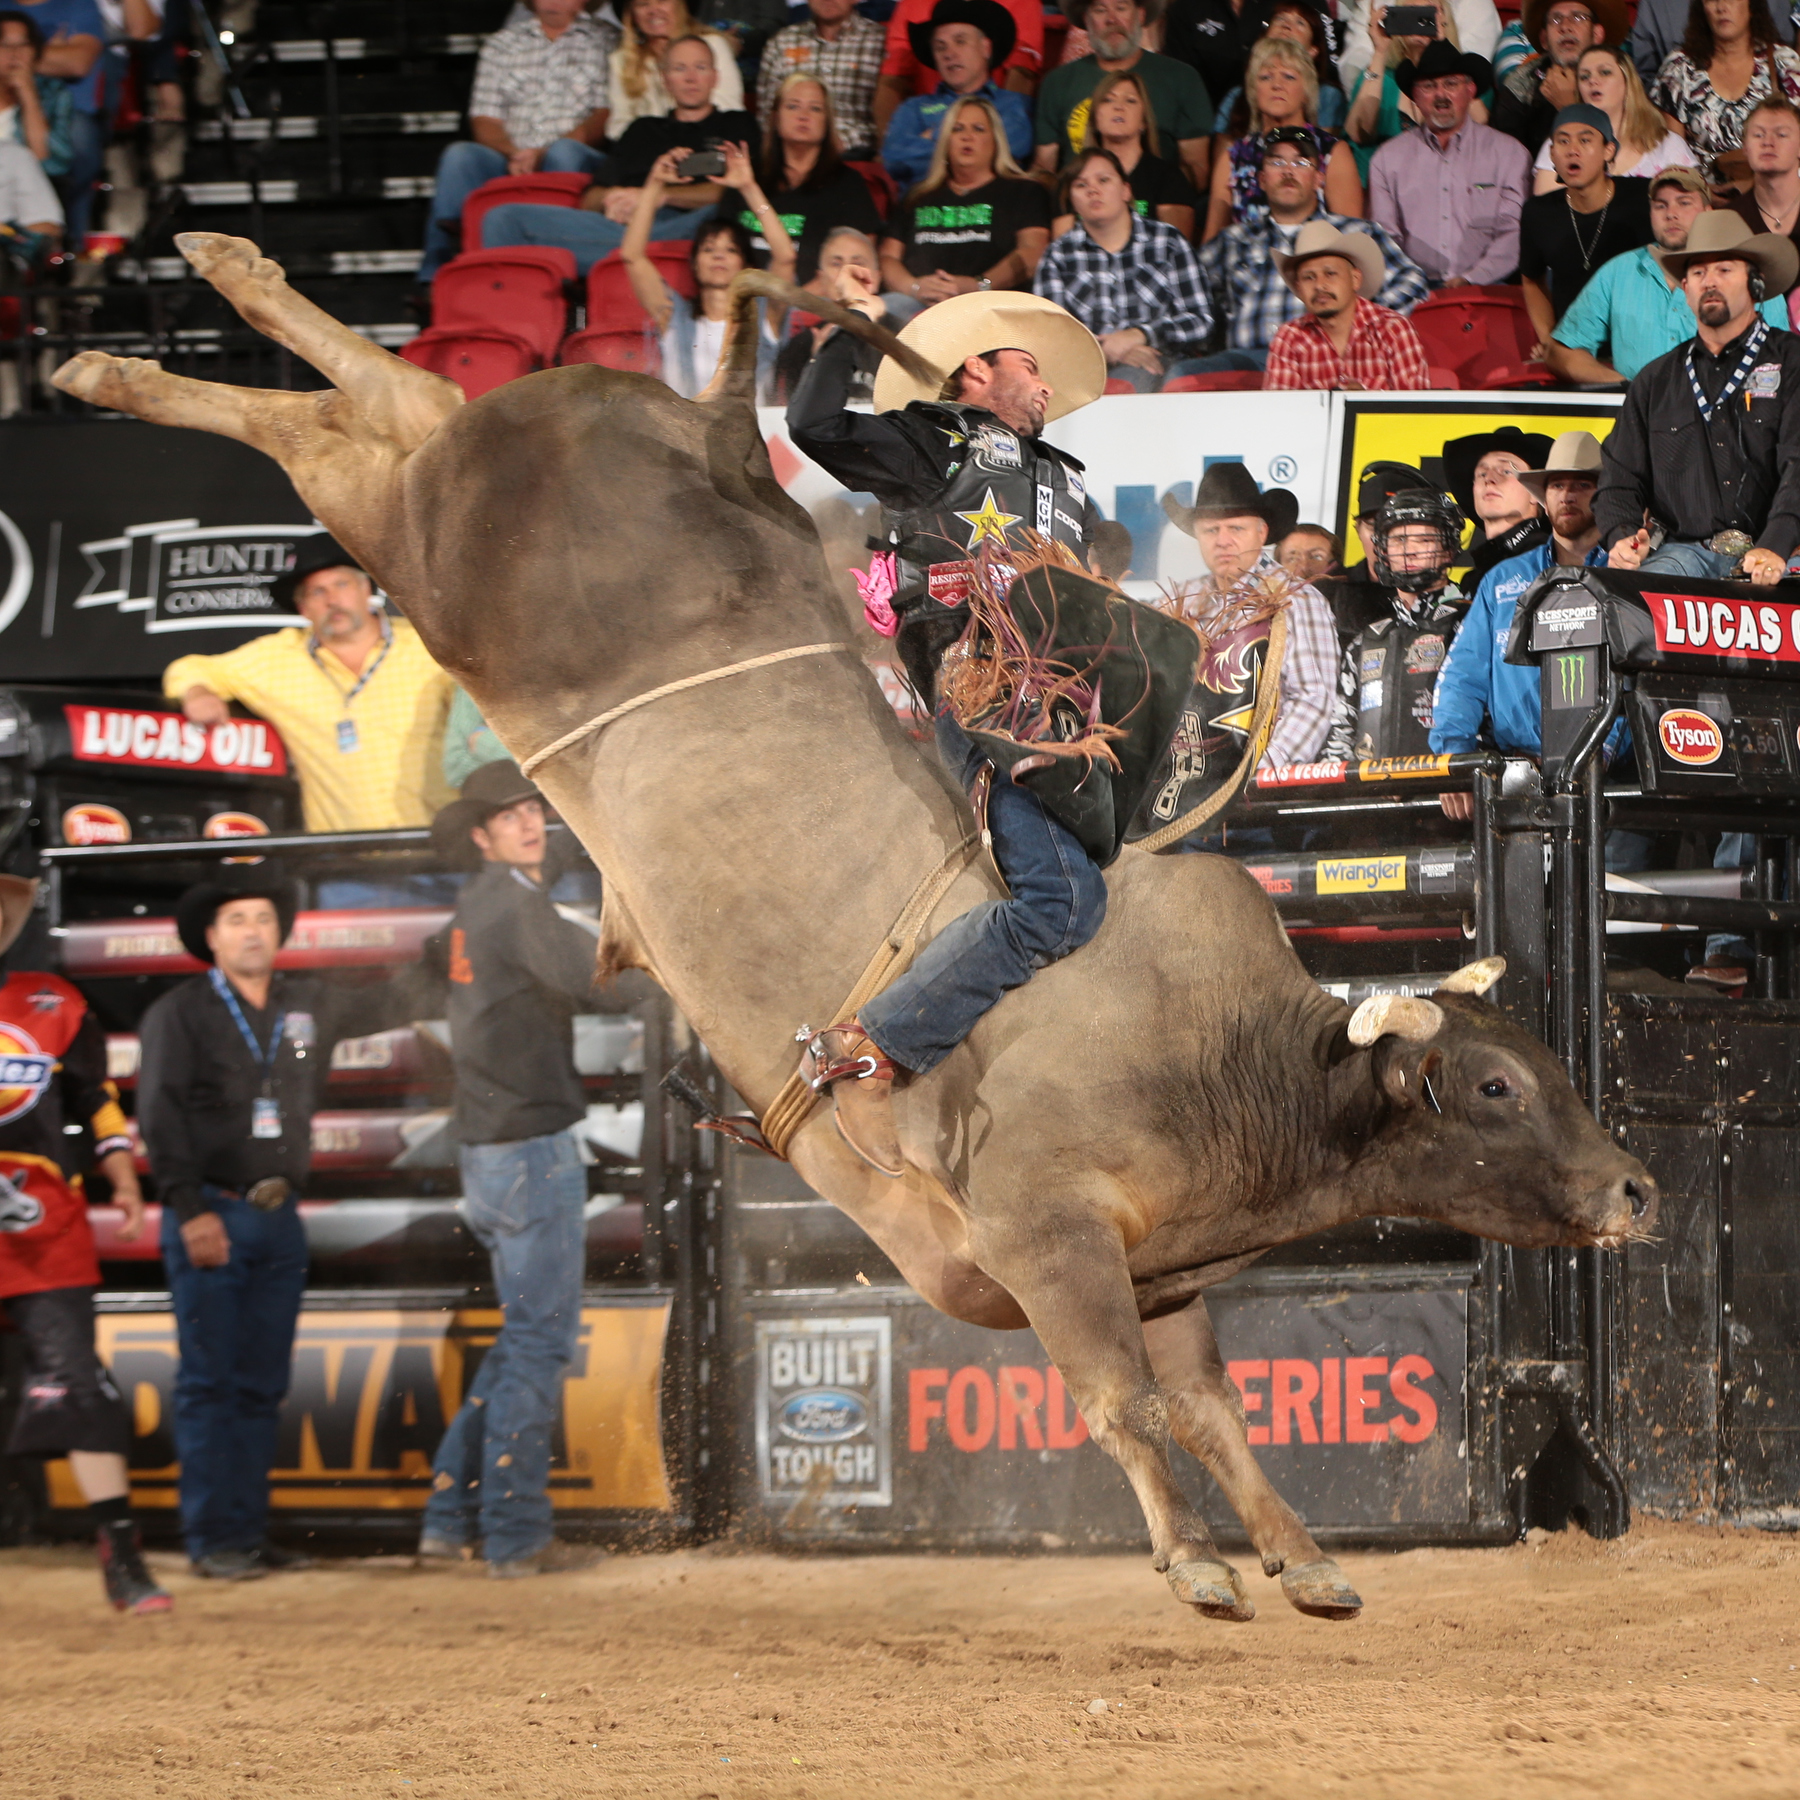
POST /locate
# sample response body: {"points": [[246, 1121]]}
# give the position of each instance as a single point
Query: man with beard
{"points": [[1115, 28], [1632, 306], [1482, 473], [1702, 470], [1477, 682], [1390, 668]]}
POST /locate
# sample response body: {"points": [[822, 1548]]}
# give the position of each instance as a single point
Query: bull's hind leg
{"points": [[1067, 1269], [1207, 1416], [396, 400]]}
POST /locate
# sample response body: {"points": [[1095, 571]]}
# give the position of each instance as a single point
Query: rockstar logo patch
{"points": [[988, 521]]}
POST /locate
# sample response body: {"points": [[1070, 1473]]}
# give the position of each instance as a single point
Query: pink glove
{"points": [[876, 591]]}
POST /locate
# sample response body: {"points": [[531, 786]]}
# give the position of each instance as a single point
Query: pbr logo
{"points": [[824, 1410], [1690, 737], [25, 1072]]}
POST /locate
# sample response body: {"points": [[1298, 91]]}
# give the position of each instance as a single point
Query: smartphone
{"points": [[1410, 21], [709, 164]]}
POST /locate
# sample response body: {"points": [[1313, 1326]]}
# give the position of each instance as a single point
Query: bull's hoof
{"points": [[93, 375], [1212, 1588], [212, 254], [1319, 1590]]}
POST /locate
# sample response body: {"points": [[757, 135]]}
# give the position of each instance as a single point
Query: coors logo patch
{"points": [[1690, 737]]}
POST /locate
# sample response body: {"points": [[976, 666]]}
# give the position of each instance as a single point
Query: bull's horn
{"points": [[1401, 1015], [1475, 977]]}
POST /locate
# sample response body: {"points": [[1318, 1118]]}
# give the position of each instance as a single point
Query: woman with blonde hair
{"points": [[976, 221], [1281, 88], [1607, 78], [1121, 119], [635, 68]]}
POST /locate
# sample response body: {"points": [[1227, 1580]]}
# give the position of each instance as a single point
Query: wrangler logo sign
{"points": [[1766, 631], [1690, 737], [1361, 874], [373, 1391]]}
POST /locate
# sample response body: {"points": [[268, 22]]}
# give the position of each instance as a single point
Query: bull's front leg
{"points": [[1207, 1416], [1065, 1265]]}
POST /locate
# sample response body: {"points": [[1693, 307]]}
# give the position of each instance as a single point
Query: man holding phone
{"points": [[596, 227]]}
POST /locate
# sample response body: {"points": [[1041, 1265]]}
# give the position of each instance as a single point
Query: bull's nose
{"points": [[1641, 1194]]}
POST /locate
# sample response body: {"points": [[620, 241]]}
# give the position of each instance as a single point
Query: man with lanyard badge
{"points": [[225, 1101]]}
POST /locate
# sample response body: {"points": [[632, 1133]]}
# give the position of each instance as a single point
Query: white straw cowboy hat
{"points": [[1717, 235], [1574, 453], [1068, 355], [1322, 239]]}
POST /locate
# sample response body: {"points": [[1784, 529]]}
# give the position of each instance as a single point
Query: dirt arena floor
{"points": [[1664, 1664]]}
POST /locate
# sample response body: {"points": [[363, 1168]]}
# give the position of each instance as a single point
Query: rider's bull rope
{"points": [[538, 758]]}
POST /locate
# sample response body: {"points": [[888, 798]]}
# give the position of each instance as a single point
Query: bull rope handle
{"points": [[1262, 727]]}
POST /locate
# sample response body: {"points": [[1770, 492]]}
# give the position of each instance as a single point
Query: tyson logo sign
{"points": [[1690, 737], [92, 823]]}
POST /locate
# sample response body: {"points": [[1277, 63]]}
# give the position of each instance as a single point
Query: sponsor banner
{"points": [[165, 740], [94, 823], [373, 1391], [1690, 737], [320, 940], [1367, 771], [219, 576], [1703, 736], [824, 1411], [1360, 874], [1449, 870], [235, 825], [1755, 630]]}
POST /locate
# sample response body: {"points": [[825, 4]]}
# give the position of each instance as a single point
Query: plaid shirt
{"points": [[1247, 289], [1308, 669], [1153, 283], [847, 66], [541, 88], [1384, 354]]}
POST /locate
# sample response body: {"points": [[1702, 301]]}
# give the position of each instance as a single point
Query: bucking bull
{"points": [[1138, 1123]]}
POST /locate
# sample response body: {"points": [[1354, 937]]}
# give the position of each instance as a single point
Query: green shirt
{"points": [[468, 741], [1177, 97]]}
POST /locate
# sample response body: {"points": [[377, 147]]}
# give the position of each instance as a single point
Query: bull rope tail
{"points": [[1262, 726], [735, 377]]}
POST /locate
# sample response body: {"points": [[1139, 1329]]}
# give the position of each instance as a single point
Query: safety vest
{"points": [[1397, 666]]}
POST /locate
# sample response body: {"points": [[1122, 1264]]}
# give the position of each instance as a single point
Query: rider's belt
{"points": [[269, 1193]]}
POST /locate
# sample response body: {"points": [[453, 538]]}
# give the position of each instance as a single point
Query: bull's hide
{"points": [[1212, 731], [1143, 662]]}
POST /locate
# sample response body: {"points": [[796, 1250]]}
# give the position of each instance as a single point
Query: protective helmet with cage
{"points": [[1434, 525]]}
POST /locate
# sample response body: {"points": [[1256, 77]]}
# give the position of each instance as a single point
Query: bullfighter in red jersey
{"points": [[52, 1080]]}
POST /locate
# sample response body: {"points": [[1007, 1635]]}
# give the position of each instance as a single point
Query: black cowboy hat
{"points": [[1462, 454], [1440, 58], [988, 17], [491, 789], [315, 554], [197, 908], [1381, 481], [1228, 491]]}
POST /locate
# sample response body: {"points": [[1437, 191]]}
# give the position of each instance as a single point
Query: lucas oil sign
{"points": [[824, 1410]]}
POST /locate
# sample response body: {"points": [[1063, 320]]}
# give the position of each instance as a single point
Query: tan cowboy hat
{"points": [[1574, 453], [1724, 234], [1068, 354], [17, 896], [1319, 238]]}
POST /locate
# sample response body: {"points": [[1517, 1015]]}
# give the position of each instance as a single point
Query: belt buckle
{"points": [[269, 1194], [1731, 542]]}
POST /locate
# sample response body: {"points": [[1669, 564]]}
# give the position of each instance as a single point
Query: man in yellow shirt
{"points": [[356, 695]]}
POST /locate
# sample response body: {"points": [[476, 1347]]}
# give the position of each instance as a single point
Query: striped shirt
{"points": [[1153, 283], [540, 88], [847, 66]]}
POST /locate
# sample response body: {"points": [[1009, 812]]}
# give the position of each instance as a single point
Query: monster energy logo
{"points": [[1571, 680], [953, 218]]}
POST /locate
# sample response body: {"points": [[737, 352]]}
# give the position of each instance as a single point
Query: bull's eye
{"points": [[1495, 1087]]}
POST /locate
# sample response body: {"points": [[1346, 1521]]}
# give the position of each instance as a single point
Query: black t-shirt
{"points": [[644, 140], [1204, 34], [966, 234], [811, 214], [1158, 182], [1560, 248]]}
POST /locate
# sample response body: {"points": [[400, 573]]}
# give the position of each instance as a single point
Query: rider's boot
{"points": [[849, 1062]]}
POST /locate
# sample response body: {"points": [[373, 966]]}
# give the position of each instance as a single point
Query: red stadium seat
{"points": [[529, 190], [1116, 384], [881, 186], [612, 304], [477, 360], [1226, 381], [637, 351], [1482, 336], [522, 291]]}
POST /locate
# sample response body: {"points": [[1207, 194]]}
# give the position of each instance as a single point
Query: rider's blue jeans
{"points": [[1058, 901]]}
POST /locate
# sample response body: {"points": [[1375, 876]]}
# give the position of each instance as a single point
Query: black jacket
{"points": [[519, 972]]}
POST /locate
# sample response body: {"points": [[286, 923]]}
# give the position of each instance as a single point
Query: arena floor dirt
{"points": [[1664, 1664]]}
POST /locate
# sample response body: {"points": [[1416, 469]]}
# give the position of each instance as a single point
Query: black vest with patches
{"points": [[1397, 669]]}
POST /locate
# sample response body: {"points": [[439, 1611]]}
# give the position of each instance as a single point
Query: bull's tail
{"points": [[735, 378]]}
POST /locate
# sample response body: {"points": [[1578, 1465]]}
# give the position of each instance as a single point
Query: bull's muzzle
{"points": [[1623, 1208]]}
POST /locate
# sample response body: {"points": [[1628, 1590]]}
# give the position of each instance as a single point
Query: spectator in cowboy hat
{"points": [[519, 971], [1482, 473], [1533, 93], [354, 693], [1449, 189], [1344, 341], [1234, 523], [905, 72], [230, 1075], [965, 41]]}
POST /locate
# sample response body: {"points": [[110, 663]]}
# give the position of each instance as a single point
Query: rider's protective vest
{"points": [[1397, 664], [52, 1076]]}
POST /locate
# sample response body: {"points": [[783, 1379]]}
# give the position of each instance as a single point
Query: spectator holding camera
{"points": [[35, 110], [1134, 283], [596, 227]]}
